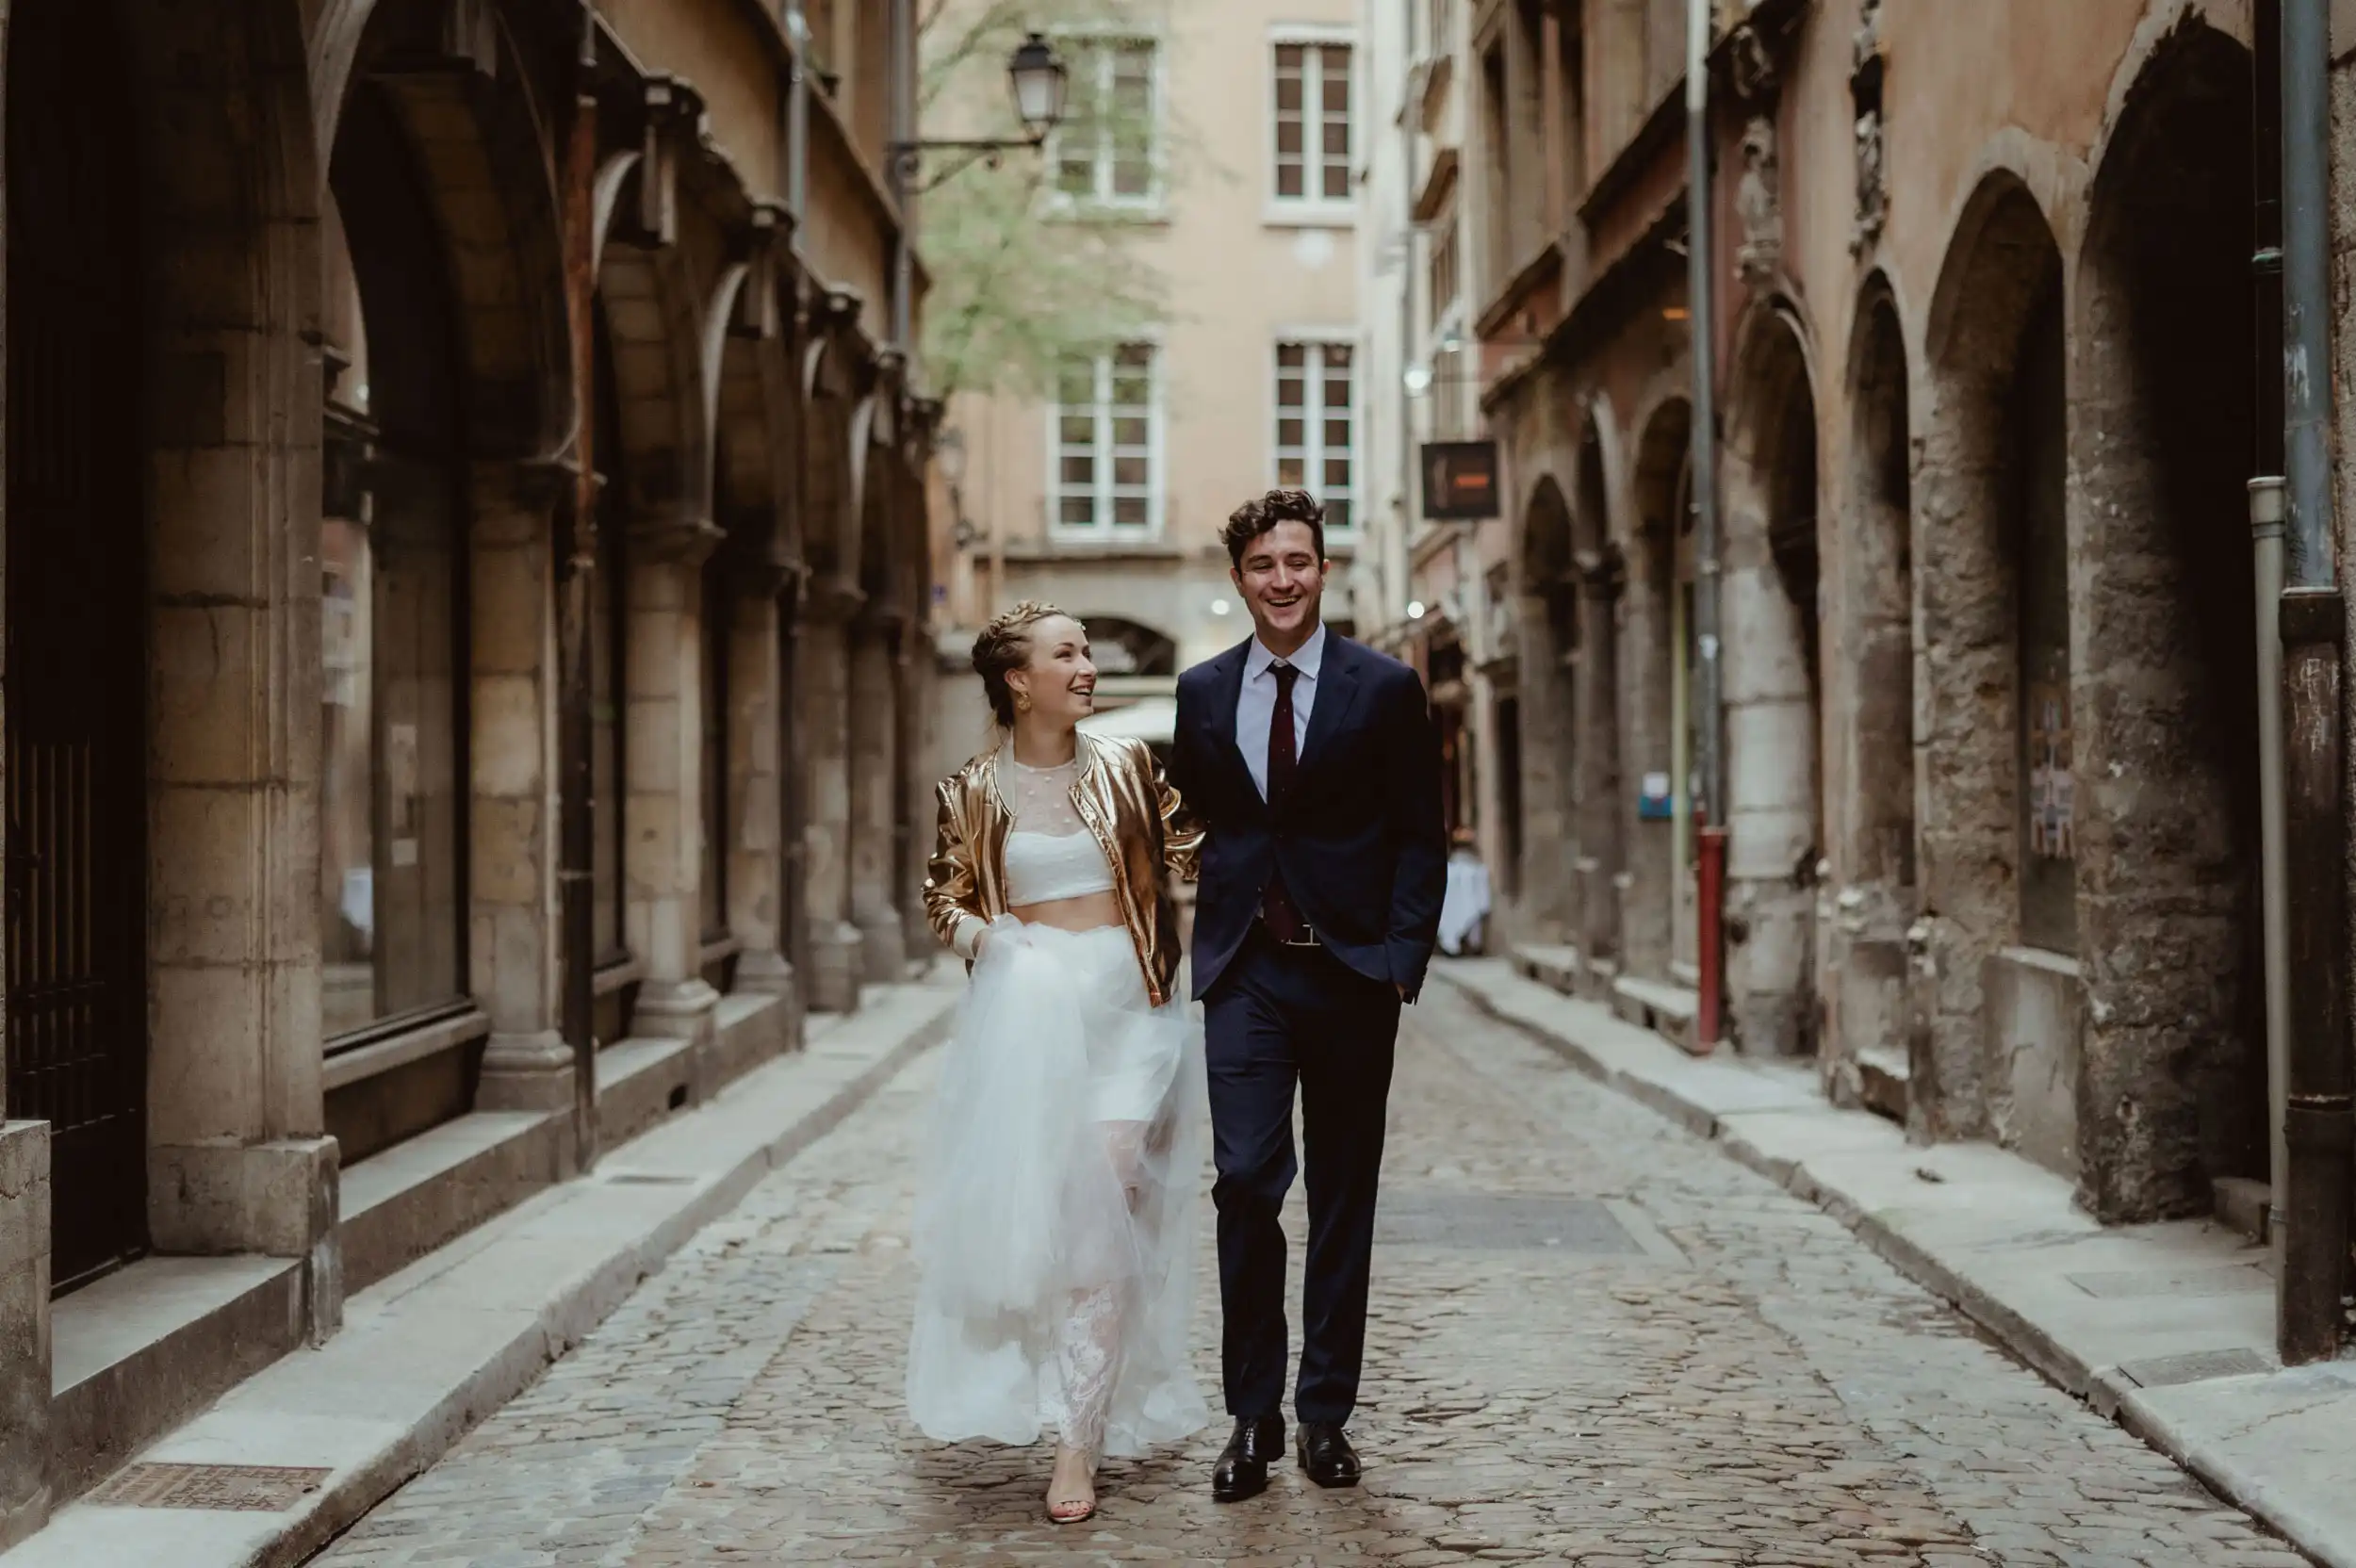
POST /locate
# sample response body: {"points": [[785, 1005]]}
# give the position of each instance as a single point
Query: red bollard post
{"points": [[1711, 909]]}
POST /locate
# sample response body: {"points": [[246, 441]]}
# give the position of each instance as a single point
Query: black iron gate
{"points": [[75, 636]]}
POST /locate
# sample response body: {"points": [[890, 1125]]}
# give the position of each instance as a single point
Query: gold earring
{"points": [[1022, 702]]}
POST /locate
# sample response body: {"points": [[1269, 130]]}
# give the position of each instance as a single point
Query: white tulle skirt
{"points": [[1055, 1232]]}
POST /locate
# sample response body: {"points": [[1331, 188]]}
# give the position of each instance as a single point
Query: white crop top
{"points": [[1041, 867], [1050, 853]]}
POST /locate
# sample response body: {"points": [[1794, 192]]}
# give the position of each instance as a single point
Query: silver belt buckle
{"points": [[1309, 940]]}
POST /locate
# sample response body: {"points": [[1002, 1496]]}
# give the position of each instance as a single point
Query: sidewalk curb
{"points": [[493, 1370], [2105, 1390]]}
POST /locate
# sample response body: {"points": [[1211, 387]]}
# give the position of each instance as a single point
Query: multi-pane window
{"points": [[1445, 278], [1108, 148], [1108, 442], [1315, 426], [1313, 122]]}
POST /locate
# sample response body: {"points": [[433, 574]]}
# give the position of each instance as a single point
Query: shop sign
{"points": [[1460, 481]]}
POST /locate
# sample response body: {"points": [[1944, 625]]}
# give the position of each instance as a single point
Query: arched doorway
{"points": [[2161, 410], [1541, 805], [1774, 695], [1657, 907], [77, 629], [1873, 849], [1997, 856]]}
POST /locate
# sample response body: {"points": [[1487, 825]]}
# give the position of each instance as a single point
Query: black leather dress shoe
{"points": [[1327, 1455], [1242, 1470]]}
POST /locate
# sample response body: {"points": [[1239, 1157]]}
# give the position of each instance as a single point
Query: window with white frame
{"points": [[1317, 426], [1108, 148], [1108, 474], [1313, 122]]}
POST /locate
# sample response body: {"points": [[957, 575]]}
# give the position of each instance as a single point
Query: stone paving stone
{"points": [[1761, 1390]]}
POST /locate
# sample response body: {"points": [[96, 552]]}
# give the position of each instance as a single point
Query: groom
{"points": [[1312, 763]]}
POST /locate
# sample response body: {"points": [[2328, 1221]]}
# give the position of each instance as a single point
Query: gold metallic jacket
{"points": [[1147, 834]]}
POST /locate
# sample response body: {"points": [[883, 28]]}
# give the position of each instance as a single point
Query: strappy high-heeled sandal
{"points": [[1075, 1511]]}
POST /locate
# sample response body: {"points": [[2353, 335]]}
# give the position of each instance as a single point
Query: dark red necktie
{"points": [[1284, 921]]}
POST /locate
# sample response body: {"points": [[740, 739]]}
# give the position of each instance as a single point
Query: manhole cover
{"points": [[1502, 1220], [231, 1488], [2200, 1366], [2230, 1280]]}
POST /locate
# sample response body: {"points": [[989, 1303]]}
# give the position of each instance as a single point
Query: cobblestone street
{"points": [[1595, 1341]]}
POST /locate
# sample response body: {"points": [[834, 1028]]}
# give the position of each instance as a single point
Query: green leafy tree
{"points": [[1038, 258]]}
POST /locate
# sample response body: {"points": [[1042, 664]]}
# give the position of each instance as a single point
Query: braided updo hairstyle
{"points": [[1004, 647]]}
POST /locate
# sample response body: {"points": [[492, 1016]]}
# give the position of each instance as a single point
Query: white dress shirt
{"points": [[1256, 709]]}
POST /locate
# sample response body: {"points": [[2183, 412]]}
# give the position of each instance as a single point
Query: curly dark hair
{"points": [[1255, 517], [1004, 647]]}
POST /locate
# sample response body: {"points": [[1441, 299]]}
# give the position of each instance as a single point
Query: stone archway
{"points": [[1774, 693], [1993, 587], [1545, 882], [2172, 1086], [454, 134], [1657, 917], [1872, 847]]}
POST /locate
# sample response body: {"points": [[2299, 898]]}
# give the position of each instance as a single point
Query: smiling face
{"points": [[1282, 580], [1060, 680]]}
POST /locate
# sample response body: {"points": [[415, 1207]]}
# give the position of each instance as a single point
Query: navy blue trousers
{"points": [[1278, 1018]]}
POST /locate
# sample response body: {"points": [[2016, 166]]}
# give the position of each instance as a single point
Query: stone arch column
{"points": [[877, 677], [2171, 1093], [237, 1162], [1769, 609], [1601, 821], [832, 600]]}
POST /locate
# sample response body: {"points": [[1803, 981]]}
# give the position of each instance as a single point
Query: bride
{"points": [[1055, 1230]]}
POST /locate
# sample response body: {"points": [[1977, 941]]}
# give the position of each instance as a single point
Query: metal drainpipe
{"points": [[2316, 1120], [1700, 286], [903, 78], [797, 117], [2266, 529], [577, 829], [1395, 574]]}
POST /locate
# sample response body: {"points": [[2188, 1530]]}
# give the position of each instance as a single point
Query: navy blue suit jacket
{"points": [[1358, 836]]}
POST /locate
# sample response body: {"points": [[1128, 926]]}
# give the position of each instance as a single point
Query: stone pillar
{"points": [[238, 1156], [515, 952], [24, 1361], [837, 959], [875, 797], [664, 687], [1604, 814], [756, 841]]}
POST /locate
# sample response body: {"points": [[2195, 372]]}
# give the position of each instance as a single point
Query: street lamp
{"points": [[1040, 84]]}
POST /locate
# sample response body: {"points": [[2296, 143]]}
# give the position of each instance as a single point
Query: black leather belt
{"points": [[1309, 940]]}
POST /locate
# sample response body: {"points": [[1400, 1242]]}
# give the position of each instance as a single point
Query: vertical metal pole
{"points": [[575, 818], [2266, 529], [797, 117], [1702, 306], [903, 78], [1395, 574], [2316, 1122]]}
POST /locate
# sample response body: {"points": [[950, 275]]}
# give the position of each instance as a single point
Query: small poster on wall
{"points": [[2052, 787]]}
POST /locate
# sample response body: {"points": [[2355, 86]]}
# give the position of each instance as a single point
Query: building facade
{"points": [[1108, 498], [464, 691], [1990, 635]]}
